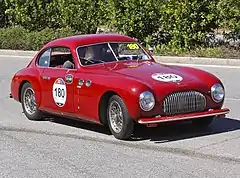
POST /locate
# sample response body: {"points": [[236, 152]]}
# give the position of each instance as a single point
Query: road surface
{"points": [[66, 148]]}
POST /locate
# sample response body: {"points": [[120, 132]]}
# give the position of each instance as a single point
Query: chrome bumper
{"points": [[155, 120]]}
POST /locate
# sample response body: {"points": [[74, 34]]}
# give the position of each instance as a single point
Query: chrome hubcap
{"points": [[115, 116], [29, 101]]}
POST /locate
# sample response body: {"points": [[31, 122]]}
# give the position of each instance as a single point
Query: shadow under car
{"points": [[165, 132]]}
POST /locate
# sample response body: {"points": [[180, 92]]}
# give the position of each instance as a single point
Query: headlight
{"points": [[146, 101], [217, 92]]}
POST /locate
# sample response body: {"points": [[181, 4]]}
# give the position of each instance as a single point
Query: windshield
{"points": [[129, 51], [110, 52]]}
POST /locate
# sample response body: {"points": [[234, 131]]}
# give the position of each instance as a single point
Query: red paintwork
{"points": [[126, 78]]}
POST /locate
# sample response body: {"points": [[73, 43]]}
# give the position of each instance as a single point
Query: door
{"points": [[57, 82]]}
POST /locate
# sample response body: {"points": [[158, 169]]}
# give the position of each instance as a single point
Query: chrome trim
{"points": [[46, 78], [214, 99], [116, 117], [29, 101], [110, 47], [56, 68], [88, 83], [183, 118], [184, 102], [154, 101], [80, 82]]}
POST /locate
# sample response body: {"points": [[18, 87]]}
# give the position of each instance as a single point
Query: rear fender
{"points": [[31, 76]]}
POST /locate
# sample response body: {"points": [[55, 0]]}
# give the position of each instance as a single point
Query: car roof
{"points": [[80, 40]]}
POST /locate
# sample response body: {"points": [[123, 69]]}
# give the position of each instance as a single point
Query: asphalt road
{"points": [[65, 148]]}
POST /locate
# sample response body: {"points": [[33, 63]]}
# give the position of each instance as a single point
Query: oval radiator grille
{"points": [[184, 102]]}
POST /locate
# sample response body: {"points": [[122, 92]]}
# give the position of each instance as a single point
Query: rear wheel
{"points": [[119, 121], [29, 105], [203, 122]]}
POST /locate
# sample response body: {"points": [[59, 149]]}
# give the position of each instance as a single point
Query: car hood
{"points": [[160, 78]]}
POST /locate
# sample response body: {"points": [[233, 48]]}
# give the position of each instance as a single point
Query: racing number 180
{"points": [[60, 92]]}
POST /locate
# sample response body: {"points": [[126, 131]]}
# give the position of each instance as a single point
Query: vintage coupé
{"points": [[112, 80]]}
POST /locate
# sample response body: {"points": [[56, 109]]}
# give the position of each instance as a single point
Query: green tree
{"points": [[229, 13], [188, 21], [29, 14], [3, 17], [81, 15], [136, 18]]}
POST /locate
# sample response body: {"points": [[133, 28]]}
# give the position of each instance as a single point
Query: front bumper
{"points": [[159, 119]]}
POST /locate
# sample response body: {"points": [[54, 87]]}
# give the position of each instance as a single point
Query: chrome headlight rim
{"points": [[216, 87], [143, 96]]}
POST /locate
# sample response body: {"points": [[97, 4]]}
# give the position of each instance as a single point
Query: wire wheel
{"points": [[29, 101], [116, 116]]}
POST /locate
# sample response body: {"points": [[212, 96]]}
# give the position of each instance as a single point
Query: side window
{"points": [[61, 57], [44, 59]]}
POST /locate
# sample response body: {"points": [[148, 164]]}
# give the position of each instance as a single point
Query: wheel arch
{"points": [[102, 106], [20, 89], [36, 87]]}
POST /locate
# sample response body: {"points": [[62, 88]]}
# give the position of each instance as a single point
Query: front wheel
{"points": [[203, 122], [29, 105], [119, 120]]}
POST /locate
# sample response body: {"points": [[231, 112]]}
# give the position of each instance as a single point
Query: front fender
{"points": [[128, 89]]}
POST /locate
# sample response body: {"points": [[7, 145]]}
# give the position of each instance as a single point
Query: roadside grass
{"points": [[212, 52]]}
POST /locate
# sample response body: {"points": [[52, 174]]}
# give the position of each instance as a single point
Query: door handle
{"points": [[46, 78]]}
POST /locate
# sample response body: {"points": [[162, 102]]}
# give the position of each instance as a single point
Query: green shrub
{"points": [[13, 38], [21, 39]]}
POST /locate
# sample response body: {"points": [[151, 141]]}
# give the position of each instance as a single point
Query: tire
{"points": [[124, 132], [203, 122], [36, 114]]}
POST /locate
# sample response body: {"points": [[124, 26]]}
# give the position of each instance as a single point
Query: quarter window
{"points": [[44, 59]]}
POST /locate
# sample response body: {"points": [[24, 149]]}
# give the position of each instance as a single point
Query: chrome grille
{"points": [[184, 102]]}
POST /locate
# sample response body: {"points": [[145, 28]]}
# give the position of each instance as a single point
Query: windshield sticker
{"points": [[133, 46], [59, 92], [167, 77]]}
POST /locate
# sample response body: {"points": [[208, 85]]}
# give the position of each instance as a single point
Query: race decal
{"points": [[167, 77], [59, 92], [133, 46]]}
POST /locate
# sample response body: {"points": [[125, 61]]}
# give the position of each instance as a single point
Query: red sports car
{"points": [[112, 80]]}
